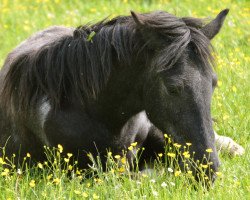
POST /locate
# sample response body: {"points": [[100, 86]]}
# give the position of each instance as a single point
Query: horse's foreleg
{"points": [[228, 144]]}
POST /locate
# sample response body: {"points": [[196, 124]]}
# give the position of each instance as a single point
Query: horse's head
{"points": [[180, 81]]}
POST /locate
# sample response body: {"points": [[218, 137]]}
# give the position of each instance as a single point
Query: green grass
{"points": [[20, 18]]}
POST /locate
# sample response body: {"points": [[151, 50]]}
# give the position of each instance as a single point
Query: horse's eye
{"points": [[175, 90]]}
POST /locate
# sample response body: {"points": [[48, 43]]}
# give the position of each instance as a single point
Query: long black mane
{"points": [[78, 66]]}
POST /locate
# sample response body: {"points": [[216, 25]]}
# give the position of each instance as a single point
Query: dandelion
{"points": [[163, 184], [98, 180], [177, 145], [130, 148], [160, 155], [88, 185], [171, 155], [2, 161], [109, 153], [177, 173], [56, 181], [40, 165], [218, 173], [85, 195], [123, 160], [49, 177], [186, 154], [60, 148], [117, 157], [209, 150], [188, 144], [134, 144], [69, 155], [189, 172], [5, 172], [121, 169], [77, 192], [204, 166], [95, 196], [32, 183], [70, 167], [234, 89]]}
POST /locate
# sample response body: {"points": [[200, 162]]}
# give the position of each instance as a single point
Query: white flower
{"points": [[163, 184], [152, 180], [155, 193], [170, 170]]}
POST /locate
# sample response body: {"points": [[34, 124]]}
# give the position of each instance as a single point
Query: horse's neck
{"points": [[121, 99]]}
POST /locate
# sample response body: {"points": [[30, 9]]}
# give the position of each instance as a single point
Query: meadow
{"points": [[230, 105]]}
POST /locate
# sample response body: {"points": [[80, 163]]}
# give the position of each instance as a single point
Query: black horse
{"points": [[96, 87]]}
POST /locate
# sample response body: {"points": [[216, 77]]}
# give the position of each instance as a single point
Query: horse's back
{"points": [[37, 41]]}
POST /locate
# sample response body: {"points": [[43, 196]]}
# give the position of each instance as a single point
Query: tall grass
{"points": [[230, 106]]}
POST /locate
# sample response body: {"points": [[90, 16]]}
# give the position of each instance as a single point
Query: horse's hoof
{"points": [[236, 150]]}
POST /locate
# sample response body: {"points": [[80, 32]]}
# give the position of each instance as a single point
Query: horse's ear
{"points": [[137, 18], [212, 28]]}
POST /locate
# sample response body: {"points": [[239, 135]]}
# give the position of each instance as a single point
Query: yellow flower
{"points": [[28, 155], [130, 148], [2, 161], [177, 173], [204, 166], [121, 169], [225, 117], [66, 160], [218, 173], [188, 144], [88, 185], [177, 145], [49, 177], [70, 167], [77, 192], [40, 165], [95, 196], [165, 135], [134, 144], [123, 160], [85, 195], [117, 157], [109, 153], [234, 89], [186, 154], [209, 150], [5, 172], [69, 155], [60, 148], [171, 155], [189, 172], [160, 155], [32, 183], [56, 181]]}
